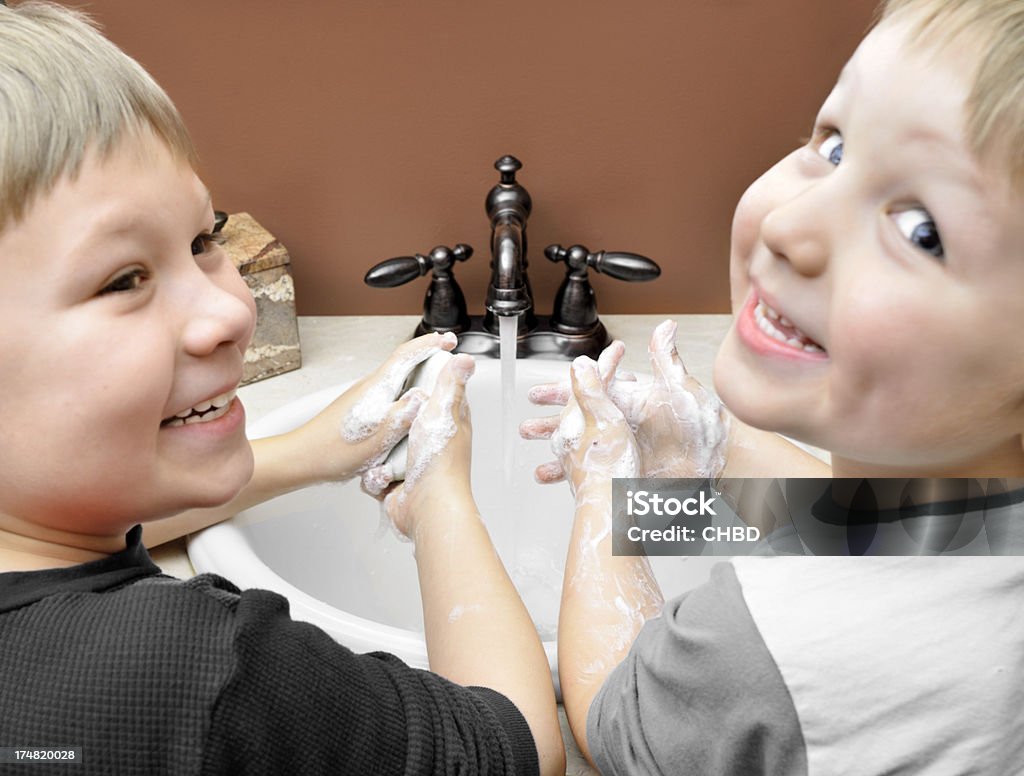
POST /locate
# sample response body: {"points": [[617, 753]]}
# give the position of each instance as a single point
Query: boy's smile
{"points": [[127, 325], [204, 412], [877, 276], [766, 331]]}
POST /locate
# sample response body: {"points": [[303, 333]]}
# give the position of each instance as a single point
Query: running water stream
{"points": [[508, 329]]}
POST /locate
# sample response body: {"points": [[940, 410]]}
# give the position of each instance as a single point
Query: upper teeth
{"points": [[195, 414], [764, 315]]}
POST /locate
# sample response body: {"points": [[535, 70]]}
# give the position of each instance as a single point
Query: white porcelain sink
{"points": [[343, 568]]}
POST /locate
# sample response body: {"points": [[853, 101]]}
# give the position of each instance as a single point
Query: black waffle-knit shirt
{"points": [[147, 674]]}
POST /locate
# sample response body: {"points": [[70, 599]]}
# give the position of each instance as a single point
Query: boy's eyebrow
{"points": [[943, 145], [920, 135], [842, 85], [119, 223]]}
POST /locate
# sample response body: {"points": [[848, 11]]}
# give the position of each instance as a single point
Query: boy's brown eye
{"points": [[129, 281]]}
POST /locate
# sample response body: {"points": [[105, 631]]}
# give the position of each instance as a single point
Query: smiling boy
{"points": [[125, 325], [891, 247], [878, 304], [131, 331]]}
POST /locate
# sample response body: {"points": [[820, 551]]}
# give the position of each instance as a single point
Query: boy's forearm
{"points": [[477, 629], [757, 453], [606, 600]]}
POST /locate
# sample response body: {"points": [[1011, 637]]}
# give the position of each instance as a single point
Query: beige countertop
{"points": [[337, 349]]}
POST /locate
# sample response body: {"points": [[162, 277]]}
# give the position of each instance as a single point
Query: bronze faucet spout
{"points": [[507, 293], [508, 206]]}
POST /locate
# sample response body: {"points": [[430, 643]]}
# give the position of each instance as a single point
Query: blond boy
{"points": [[878, 298], [124, 331]]}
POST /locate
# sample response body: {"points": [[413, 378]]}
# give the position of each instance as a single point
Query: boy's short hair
{"points": [[63, 89], [995, 106]]}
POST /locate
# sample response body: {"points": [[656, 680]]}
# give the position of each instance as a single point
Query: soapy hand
{"points": [[440, 446], [561, 394], [358, 429], [681, 428], [593, 441]]}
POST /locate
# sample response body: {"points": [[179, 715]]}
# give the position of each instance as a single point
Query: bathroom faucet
{"points": [[508, 206], [573, 328]]}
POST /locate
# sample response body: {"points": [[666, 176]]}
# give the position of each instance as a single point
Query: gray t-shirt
{"points": [[829, 665]]}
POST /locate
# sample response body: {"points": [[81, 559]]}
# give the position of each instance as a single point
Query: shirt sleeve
{"points": [[698, 693], [299, 703]]}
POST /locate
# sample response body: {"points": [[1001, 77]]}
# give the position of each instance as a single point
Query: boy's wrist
{"points": [[593, 491], [442, 510]]}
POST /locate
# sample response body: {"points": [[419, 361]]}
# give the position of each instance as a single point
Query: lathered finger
{"points": [[424, 346], [611, 448], [445, 413], [450, 390], [548, 394], [539, 428], [608, 361], [375, 481], [396, 370], [549, 472], [401, 416], [665, 360], [591, 395]]}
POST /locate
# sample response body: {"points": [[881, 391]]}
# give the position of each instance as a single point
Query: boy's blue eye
{"points": [[831, 147], [917, 226]]}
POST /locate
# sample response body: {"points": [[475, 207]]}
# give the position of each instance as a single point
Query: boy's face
{"points": [[119, 314], [897, 260]]}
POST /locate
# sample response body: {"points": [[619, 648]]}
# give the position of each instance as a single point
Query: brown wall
{"points": [[365, 129]]}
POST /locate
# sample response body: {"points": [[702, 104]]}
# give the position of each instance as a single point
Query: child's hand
{"points": [[560, 394], [440, 446], [681, 428], [358, 429], [593, 441]]}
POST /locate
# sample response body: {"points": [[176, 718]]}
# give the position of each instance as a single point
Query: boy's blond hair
{"points": [[63, 89], [995, 106]]}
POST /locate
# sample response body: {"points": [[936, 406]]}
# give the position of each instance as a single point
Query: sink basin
{"points": [[342, 567]]}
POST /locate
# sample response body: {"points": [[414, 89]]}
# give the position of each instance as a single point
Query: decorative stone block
{"points": [[266, 268]]}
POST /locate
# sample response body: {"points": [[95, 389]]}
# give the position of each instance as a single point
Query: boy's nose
{"points": [[223, 312], [797, 231]]}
